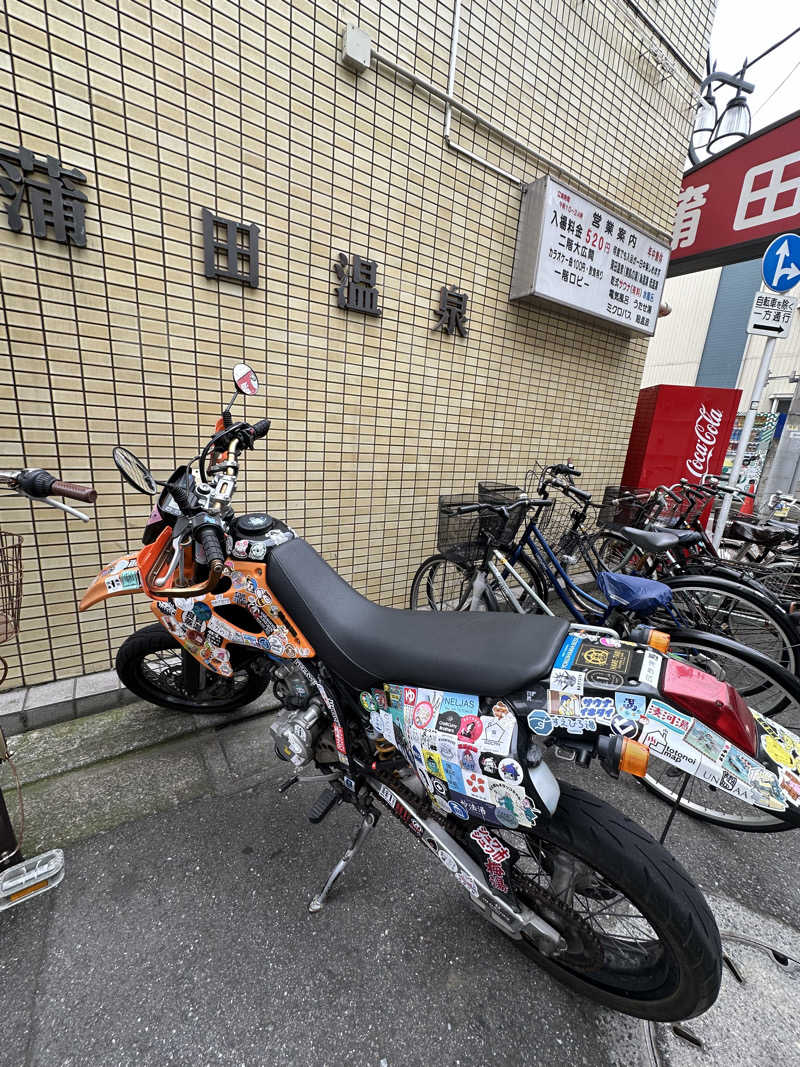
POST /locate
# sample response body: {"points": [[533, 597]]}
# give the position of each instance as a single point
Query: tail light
{"points": [[713, 702]]}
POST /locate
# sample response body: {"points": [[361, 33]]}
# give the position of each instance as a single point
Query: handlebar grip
{"points": [[210, 539], [566, 468], [261, 429], [85, 493]]}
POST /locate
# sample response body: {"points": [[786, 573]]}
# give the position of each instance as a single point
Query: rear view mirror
{"points": [[134, 471], [245, 379]]}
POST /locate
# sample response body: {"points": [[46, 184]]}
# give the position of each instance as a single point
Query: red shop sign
{"points": [[731, 207]]}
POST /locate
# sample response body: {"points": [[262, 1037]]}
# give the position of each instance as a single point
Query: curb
{"points": [[32, 707]]}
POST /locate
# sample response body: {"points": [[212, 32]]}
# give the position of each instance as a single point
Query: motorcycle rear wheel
{"points": [[631, 905], [150, 664]]}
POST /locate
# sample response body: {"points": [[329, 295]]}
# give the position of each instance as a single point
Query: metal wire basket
{"points": [[458, 536], [10, 584], [623, 506], [503, 530]]}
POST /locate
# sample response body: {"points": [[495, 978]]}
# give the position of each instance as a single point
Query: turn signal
{"points": [[659, 641], [634, 757]]}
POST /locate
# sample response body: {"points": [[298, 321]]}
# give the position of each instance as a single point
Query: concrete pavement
{"points": [[180, 934]]}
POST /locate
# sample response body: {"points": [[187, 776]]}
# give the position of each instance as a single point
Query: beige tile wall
{"points": [[245, 109]]}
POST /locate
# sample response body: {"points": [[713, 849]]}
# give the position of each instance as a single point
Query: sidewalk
{"points": [[180, 934]]}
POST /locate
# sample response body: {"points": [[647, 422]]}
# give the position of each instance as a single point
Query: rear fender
{"points": [[685, 717]]}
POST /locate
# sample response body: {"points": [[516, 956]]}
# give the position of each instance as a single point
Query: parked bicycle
{"points": [[22, 879], [766, 589]]}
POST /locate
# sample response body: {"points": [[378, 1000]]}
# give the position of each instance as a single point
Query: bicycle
{"points": [[20, 878], [766, 591]]}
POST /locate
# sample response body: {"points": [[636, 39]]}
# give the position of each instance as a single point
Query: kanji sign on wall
{"points": [[575, 253], [730, 208]]}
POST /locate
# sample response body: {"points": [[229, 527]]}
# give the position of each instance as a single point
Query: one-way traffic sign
{"points": [[780, 266], [771, 316]]}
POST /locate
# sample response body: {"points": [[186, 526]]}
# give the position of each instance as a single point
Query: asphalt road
{"points": [[184, 938]]}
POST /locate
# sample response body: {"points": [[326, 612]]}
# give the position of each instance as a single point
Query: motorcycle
{"points": [[443, 720], [22, 879]]}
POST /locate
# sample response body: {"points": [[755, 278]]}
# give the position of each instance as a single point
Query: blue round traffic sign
{"points": [[780, 267]]}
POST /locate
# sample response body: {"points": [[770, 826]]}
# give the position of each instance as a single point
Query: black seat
{"points": [[685, 537], [485, 653], [651, 540], [757, 535]]}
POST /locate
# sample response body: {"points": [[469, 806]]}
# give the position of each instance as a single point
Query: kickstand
{"points": [[360, 836], [675, 803]]}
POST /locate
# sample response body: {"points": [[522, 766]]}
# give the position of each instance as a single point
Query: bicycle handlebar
{"points": [[39, 484], [505, 509]]}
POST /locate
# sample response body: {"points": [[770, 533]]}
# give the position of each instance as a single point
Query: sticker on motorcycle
{"points": [[650, 669], [568, 651], [613, 659], [564, 681]]}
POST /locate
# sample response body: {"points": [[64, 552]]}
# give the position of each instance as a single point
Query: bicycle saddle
{"points": [[655, 541], [685, 537], [757, 535], [366, 644]]}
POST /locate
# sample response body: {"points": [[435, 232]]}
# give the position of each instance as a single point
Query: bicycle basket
{"points": [[458, 536], [10, 584], [623, 506], [502, 530]]}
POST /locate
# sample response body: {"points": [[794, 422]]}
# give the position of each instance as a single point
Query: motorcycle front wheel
{"points": [[153, 665], [640, 937]]}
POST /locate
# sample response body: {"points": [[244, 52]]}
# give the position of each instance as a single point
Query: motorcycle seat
{"points": [[486, 653]]}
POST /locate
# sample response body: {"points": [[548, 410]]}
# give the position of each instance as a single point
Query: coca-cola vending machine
{"points": [[679, 431]]}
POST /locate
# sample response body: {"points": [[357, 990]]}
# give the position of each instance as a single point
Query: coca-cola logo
{"points": [[706, 430]]}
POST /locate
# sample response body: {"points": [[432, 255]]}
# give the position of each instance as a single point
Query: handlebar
{"points": [[504, 509], [38, 484]]}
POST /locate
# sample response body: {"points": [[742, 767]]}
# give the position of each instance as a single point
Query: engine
{"points": [[296, 731]]}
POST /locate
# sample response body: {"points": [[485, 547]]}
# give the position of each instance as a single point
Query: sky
{"points": [[742, 30]]}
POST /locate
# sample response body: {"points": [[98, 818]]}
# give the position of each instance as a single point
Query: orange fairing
{"points": [[207, 626], [124, 576]]}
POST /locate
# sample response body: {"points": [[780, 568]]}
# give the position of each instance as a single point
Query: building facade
{"points": [[154, 113], [704, 339]]}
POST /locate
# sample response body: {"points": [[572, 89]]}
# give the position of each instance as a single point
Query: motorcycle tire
{"points": [[678, 972], [151, 664]]}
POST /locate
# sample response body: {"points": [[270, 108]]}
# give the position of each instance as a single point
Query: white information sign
{"points": [[771, 315], [576, 253]]}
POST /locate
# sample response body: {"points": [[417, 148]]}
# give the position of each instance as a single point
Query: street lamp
{"points": [[710, 133], [705, 120]]}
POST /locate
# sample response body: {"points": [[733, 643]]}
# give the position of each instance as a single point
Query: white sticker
{"points": [[564, 681], [650, 669]]}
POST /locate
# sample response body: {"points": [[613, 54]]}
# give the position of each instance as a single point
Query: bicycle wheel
{"points": [[765, 688], [612, 548], [735, 611], [531, 574], [442, 585]]}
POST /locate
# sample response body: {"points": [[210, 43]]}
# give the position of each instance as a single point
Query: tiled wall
{"points": [[244, 108]]}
